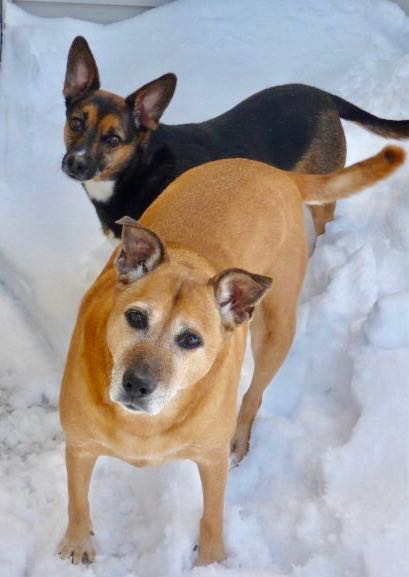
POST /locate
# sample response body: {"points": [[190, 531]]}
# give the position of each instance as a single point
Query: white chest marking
{"points": [[100, 190]]}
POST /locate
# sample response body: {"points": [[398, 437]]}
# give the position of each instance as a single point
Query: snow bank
{"points": [[323, 492], [388, 324]]}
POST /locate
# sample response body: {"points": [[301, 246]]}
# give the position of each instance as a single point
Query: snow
{"points": [[324, 489], [388, 323]]}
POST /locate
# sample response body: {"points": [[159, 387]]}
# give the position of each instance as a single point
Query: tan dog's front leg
{"points": [[213, 476], [77, 542]]}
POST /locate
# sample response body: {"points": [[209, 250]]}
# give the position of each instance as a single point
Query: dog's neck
{"points": [[156, 163], [138, 184]]}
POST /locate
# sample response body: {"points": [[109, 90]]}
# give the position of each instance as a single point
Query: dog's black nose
{"points": [[137, 385], [75, 165]]}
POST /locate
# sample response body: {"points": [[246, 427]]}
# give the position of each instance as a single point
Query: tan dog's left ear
{"points": [[142, 251], [237, 292]]}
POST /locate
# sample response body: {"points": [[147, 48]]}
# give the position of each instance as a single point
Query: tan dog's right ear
{"points": [[142, 251], [82, 73], [237, 292]]}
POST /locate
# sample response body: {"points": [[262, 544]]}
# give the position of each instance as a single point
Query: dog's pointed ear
{"points": [[142, 251], [237, 292], [149, 102], [82, 73]]}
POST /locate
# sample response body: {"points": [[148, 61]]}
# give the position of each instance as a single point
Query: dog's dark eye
{"points": [[113, 140], [137, 319], [188, 340], [76, 124]]}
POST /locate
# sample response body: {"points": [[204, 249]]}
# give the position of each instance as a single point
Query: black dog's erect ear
{"points": [[82, 72], [149, 102], [237, 292], [142, 251]]}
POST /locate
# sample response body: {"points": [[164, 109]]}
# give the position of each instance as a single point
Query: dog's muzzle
{"points": [[137, 388], [77, 166]]}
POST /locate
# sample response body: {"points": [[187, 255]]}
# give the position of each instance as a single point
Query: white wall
{"points": [[94, 10], [104, 10]]}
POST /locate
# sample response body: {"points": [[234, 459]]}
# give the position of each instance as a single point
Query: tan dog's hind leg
{"points": [[271, 338], [77, 542], [321, 214], [213, 475]]}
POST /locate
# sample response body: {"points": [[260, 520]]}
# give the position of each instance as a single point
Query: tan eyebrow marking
{"points": [[111, 123], [92, 114]]}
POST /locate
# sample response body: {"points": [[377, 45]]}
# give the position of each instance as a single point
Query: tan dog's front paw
{"points": [[79, 548], [239, 447], [212, 555], [211, 545]]}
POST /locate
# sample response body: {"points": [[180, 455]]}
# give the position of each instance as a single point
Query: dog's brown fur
{"points": [[222, 214], [325, 154]]}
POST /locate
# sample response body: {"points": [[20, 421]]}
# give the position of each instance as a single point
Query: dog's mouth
{"points": [[132, 401], [132, 407], [76, 177], [148, 406]]}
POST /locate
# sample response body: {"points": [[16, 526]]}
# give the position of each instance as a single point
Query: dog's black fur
{"points": [[293, 127], [275, 126]]}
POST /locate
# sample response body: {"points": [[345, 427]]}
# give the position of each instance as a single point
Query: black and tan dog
{"points": [[125, 158]]}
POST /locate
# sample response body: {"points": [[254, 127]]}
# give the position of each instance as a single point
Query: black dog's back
{"points": [[277, 126]]}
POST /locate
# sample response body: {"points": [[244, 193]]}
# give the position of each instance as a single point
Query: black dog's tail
{"points": [[381, 126]]}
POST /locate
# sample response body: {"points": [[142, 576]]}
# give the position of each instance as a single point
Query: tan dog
{"points": [[155, 358]]}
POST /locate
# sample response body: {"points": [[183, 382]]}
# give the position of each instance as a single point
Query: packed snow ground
{"points": [[324, 490]]}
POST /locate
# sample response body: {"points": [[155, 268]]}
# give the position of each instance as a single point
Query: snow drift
{"points": [[324, 489]]}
